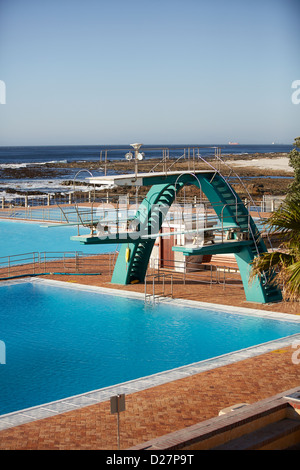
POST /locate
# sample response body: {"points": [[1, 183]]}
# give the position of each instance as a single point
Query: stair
{"points": [[151, 226], [241, 216], [274, 436]]}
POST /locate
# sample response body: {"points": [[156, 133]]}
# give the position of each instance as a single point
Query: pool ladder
{"points": [[154, 296]]}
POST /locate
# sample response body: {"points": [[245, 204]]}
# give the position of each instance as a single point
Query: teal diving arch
{"points": [[132, 261]]}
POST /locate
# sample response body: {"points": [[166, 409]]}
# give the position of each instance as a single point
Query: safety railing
{"points": [[158, 280], [189, 218], [163, 274], [42, 263], [16, 209]]}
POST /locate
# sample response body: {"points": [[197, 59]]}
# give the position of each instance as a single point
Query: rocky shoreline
{"points": [[258, 181]]}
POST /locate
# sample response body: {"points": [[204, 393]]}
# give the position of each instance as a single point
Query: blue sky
{"points": [[154, 71]]}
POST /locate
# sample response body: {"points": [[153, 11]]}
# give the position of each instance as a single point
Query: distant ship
{"points": [[233, 143]]}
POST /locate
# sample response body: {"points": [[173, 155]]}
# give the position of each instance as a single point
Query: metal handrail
{"points": [[154, 295], [246, 190], [191, 271], [217, 171], [36, 263]]}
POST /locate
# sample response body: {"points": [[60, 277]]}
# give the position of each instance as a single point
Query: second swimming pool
{"points": [[26, 237], [63, 341]]}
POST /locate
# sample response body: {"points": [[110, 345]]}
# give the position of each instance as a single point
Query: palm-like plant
{"points": [[283, 265]]}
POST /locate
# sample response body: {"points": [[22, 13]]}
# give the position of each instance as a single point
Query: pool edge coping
{"points": [[47, 410], [279, 316]]}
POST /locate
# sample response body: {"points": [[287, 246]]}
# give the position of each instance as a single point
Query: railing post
{"points": [[153, 287]]}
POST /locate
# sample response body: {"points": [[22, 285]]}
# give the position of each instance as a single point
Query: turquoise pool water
{"points": [[21, 237], [62, 342]]}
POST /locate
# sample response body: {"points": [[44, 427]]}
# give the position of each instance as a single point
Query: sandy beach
{"points": [[277, 163]]}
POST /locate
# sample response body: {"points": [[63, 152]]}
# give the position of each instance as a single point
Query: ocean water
{"points": [[21, 156], [62, 342], [18, 158]]}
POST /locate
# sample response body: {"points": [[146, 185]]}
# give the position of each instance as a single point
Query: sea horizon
{"points": [[70, 153]]}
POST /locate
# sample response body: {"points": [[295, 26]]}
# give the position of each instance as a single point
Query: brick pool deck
{"points": [[171, 406]]}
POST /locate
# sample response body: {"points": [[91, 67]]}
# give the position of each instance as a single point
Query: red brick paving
{"points": [[165, 408], [159, 410]]}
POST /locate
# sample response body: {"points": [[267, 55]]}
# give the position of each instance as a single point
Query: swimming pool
{"points": [[26, 237], [63, 341]]}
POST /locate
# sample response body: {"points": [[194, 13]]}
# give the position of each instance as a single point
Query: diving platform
{"points": [[141, 179], [117, 236], [213, 249], [237, 231], [93, 239]]}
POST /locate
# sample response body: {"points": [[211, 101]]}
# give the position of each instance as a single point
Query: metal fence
{"points": [[268, 203], [43, 263], [160, 281]]}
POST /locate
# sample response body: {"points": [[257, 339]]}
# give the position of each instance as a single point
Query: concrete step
{"points": [[263, 437]]}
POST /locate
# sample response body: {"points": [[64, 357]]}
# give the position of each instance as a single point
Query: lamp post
{"points": [[137, 156]]}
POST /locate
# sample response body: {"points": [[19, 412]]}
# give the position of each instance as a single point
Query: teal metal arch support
{"points": [[151, 215], [133, 258]]}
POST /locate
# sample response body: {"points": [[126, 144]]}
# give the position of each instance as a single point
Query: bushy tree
{"points": [[294, 162], [283, 265]]}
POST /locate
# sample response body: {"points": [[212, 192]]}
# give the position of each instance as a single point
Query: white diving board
{"points": [[140, 179], [233, 246]]}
